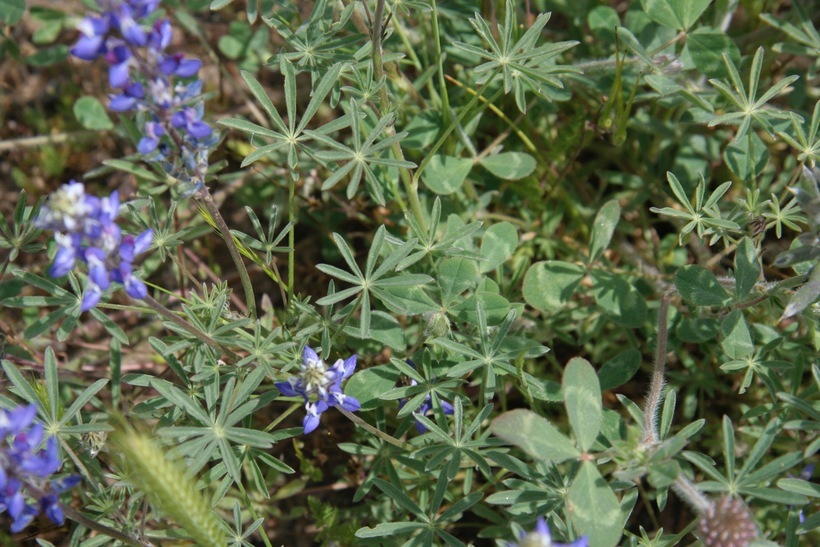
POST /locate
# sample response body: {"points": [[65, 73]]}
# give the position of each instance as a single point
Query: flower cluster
{"points": [[148, 79], [24, 470], [320, 386], [85, 229], [541, 537], [727, 522]]}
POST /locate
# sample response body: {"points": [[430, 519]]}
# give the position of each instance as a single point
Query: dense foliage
{"points": [[409, 272]]}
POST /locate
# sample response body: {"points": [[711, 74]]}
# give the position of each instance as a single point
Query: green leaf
{"points": [[384, 328], [699, 286], [619, 299], [746, 163], [494, 305], [497, 245], [618, 370], [736, 340], [697, 329], [602, 21], [605, 222], [445, 174], [534, 435], [368, 385], [48, 56], [11, 11], [747, 269], [594, 508], [800, 486], [706, 47], [582, 399], [549, 285], [455, 275], [509, 165], [91, 114], [676, 14]]}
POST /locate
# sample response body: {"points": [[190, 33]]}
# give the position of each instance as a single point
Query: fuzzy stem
{"points": [[655, 397], [206, 198], [381, 434], [689, 493], [177, 320]]}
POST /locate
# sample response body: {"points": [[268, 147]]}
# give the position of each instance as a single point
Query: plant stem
{"points": [[476, 98], [185, 325], [381, 434], [291, 241], [445, 98], [655, 397], [411, 185], [206, 198], [689, 493]]}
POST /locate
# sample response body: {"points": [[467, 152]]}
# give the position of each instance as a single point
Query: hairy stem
{"points": [[655, 397], [182, 323], [206, 198], [381, 434]]}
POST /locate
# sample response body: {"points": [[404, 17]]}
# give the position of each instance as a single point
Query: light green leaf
{"points": [[534, 435], [367, 385], [549, 285], [455, 275], [736, 342], [494, 305], [699, 286], [605, 222], [509, 165], [676, 14], [582, 399], [445, 174], [594, 508], [91, 114], [497, 245], [619, 299], [706, 46], [384, 328], [747, 269]]}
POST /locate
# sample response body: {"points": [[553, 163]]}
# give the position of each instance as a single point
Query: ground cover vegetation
{"points": [[418, 272]]}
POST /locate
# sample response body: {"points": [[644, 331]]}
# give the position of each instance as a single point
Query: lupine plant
{"points": [[388, 272]]}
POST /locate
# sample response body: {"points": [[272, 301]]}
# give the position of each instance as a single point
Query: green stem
{"points": [[445, 98], [206, 198], [411, 185], [291, 241], [476, 98]]}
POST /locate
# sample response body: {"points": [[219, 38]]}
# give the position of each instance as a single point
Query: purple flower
{"points": [[25, 468], [149, 79], [191, 120], [320, 386], [150, 142], [541, 537], [86, 230]]}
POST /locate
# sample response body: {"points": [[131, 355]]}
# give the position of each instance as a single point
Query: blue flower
{"points": [[541, 537], [427, 406], [25, 469], [320, 386], [86, 230]]}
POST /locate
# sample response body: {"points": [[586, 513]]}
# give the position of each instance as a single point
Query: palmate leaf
{"points": [[374, 281], [290, 135], [749, 106], [361, 155], [523, 66]]}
